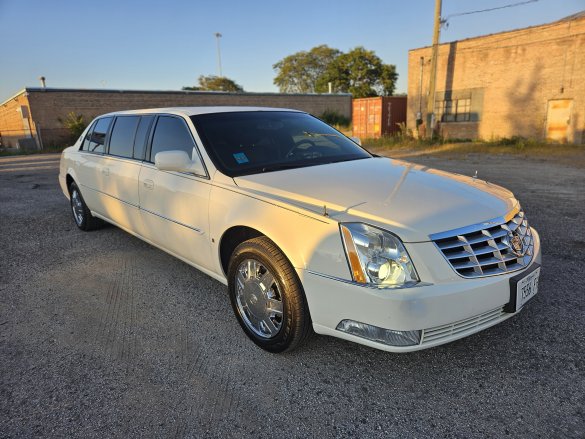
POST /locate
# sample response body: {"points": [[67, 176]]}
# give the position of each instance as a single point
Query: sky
{"points": [[165, 45]]}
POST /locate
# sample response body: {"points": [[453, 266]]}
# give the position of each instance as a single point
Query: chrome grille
{"points": [[452, 329], [486, 249]]}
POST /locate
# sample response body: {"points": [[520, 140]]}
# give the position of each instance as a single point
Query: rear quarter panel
{"points": [[68, 165]]}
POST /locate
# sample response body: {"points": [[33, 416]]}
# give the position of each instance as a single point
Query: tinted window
{"points": [[98, 136], [85, 144], [141, 134], [171, 133], [122, 137], [241, 143]]}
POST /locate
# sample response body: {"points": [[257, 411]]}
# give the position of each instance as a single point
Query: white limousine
{"points": [[309, 231]]}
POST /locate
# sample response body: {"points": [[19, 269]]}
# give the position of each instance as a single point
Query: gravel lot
{"points": [[102, 335]]}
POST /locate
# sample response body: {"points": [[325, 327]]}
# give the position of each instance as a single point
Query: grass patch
{"points": [[402, 142], [15, 152], [506, 145]]}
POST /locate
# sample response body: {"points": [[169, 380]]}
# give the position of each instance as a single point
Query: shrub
{"points": [[332, 117], [75, 123]]}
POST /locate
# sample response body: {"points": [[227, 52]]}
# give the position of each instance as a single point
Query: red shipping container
{"points": [[378, 116]]}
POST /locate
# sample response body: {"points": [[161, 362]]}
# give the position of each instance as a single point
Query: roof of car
{"points": [[192, 111]]}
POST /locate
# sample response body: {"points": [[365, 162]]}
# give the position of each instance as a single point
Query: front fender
{"points": [[308, 242]]}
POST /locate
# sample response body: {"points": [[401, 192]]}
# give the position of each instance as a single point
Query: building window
{"points": [[453, 110]]}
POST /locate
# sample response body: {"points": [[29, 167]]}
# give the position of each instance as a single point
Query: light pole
{"points": [[218, 36]]}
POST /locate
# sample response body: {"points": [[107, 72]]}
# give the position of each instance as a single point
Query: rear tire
{"points": [[267, 296], [81, 213]]}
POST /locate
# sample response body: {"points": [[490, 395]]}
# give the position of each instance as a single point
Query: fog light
{"points": [[380, 335]]}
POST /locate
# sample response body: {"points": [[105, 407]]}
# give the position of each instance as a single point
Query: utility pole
{"points": [[431, 122], [218, 36]]}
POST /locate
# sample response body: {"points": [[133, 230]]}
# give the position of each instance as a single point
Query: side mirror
{"points": [[178, 161], [357, 140]]}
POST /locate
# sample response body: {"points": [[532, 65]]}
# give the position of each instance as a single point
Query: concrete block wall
{"points": [[48, 105], [513, 74]]}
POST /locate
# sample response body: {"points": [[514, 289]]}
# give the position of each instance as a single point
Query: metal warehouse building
{"points": [[31, 118], [527, 82]]}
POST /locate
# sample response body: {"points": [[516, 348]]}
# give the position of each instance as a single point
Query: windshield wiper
{"points": [[309, 134], [281, 166]]}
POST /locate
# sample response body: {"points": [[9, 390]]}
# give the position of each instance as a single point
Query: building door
{"points": [[558, 119]]}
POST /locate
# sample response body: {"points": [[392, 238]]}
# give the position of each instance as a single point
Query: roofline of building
{"points": [[177, 92], [574, 17], [14, 96]]}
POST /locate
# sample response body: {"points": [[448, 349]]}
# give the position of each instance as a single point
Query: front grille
{"points": [[486, 249], [452, 329]]}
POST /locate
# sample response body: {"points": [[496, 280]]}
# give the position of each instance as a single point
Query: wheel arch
{"points": [[234, 236], [230, 239], [68, 180], [70, 175]]}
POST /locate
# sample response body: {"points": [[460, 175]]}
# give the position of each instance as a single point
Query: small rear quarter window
{"points": [[87, 138], [98, 136]]}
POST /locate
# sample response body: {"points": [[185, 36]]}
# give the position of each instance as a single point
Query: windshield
{"points": [[242, 143]]}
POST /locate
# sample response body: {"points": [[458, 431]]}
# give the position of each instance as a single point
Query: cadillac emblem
{"points": [[516, 244]]}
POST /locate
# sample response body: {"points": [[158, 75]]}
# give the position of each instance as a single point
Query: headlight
{"points": [[377, 257]]}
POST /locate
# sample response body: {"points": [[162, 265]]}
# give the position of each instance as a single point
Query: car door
{"points": [[91, 168], [121, 169], [174, 206]]}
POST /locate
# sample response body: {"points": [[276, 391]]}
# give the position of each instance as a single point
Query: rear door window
{"points": [[98, 136], [171, 133], [122, 137]]}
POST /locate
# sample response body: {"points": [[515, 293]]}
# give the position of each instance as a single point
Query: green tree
{"points": [[216, 83], [301, 71], [359, 72], [388, 80]]}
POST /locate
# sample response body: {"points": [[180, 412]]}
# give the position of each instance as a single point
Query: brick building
{"points": [[34, 114], [527, 82]]}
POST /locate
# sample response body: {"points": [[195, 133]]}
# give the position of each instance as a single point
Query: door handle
{"points": [[148, 184], [106, 171]]}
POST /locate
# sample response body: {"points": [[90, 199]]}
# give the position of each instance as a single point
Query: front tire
{"points": [[81, 213], [267, 296]]}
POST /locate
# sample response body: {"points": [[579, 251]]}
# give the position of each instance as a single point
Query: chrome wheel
{"points": [[77, 206], [258, 299]]}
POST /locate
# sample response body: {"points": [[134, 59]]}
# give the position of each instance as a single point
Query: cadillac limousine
{"points": [[309, 231]]}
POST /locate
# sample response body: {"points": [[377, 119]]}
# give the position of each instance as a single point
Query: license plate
{"points": [[523, 289]]}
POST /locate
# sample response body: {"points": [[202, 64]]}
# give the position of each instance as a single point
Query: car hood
{"points": [[410, 200]]}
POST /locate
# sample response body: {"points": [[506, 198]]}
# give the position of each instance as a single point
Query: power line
{"points": [[490, 9], [480, 48], [511, 34], [514, 33]]}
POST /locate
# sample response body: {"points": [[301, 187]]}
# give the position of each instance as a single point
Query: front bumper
{"points": [[446, 307]]}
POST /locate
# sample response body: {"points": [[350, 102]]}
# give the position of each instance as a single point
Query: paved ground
{"points": [[102, 335]]}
